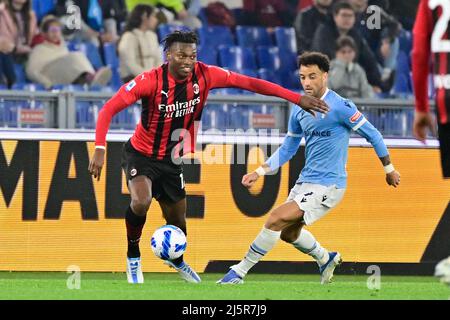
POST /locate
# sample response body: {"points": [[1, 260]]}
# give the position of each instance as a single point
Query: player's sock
{"points": [[306, 243], [179, 261], [134, 225], [264, 242]]}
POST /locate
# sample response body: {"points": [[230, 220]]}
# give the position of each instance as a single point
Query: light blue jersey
{"points": [[327, 138]]}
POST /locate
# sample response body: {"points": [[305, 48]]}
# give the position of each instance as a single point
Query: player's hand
{"points": [[393, 179], [249, 179], [96, 163], [422, 122], [311, 104]]}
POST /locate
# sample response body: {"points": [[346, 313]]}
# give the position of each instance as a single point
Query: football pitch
{"points": [[168, 286]]}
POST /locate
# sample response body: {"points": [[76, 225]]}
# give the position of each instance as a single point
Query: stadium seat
{"points": [[288, 60], [253, 36], [270, 75], [402, 83], [236, 58], [249, 72], [285, 39], [290, 79], [207, 55], [110, 52], [214, 36], [43, 7], [116, 81], [203, 17], [239, 117], [92, 53], [268, 57], [165, 29], [406, 41], [84, 115]]}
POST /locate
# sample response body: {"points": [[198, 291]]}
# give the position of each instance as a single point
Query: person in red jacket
{"points": [[173, 96], [431, 39]]}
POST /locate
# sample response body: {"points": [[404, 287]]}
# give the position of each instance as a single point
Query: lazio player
{"points": [[322, 182]]}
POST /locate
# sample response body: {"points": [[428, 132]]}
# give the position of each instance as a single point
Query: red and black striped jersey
{"points": [[431, 40], [171, 108]]}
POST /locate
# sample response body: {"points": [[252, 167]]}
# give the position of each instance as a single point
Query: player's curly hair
{"points": [[315, 58], [179, 36]]}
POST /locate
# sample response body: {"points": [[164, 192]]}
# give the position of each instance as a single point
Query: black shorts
{"points": [[444, 141], [167, 177]]}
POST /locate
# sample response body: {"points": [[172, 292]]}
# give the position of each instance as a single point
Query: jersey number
{"points": [[182, 181], [437, 43]]}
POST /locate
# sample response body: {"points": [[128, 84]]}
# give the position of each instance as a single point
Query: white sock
{"points": [[263, 243], [306, 243]]}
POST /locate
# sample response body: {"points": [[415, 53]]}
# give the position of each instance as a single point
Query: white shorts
{"points": [[315, 200]]}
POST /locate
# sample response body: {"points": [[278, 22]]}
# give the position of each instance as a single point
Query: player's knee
{"points": [[275, 223], [289, 236], [140, 206]]}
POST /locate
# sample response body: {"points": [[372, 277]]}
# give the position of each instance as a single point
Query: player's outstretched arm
{"points": [[221, 78], [283, 154], [392, 175], [112, 107], [128, 94], [356, 121]]}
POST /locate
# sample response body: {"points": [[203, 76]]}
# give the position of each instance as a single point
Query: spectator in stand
{"points": [[307, 22], [139, 47], [114, 16], [18, 25], [89, 15], [50, 62], [7, 74], [347, 77], [383, 41], [173, 11], [268, 13], [343, 23]]}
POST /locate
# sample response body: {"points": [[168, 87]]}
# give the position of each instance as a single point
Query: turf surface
{"points": [[161, 286]]}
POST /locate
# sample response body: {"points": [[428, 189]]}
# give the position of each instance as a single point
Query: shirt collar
{"points": [[325, 94]]}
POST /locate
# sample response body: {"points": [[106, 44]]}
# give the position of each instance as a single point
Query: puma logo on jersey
{"points": [[165, 93]]}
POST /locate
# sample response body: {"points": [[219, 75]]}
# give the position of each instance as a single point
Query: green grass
{"points": [[160, 286]]}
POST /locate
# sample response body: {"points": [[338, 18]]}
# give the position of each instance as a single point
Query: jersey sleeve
{"points": [[421, 56], [128, 94], [290, 144], [352, 118], [221, 78], [142, 85]]}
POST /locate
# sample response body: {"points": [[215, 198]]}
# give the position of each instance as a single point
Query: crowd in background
{"points": [[363, 59]]}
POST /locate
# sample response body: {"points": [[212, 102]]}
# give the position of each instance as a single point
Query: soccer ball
{"points": [[442, 271], [168, 242]]}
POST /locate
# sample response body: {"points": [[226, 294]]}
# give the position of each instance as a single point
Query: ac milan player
{"points": [[173, 97], [431, 37]]}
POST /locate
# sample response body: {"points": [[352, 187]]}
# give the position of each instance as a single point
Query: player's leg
{"points": [[282, 217], [316, 201], [141, 195], [305, 242], [175, 214]]}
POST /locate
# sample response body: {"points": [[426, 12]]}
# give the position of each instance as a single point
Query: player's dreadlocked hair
{"points": [[179, 36], [315, 58]]}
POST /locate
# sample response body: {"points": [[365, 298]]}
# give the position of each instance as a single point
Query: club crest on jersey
{"points": [[355, 117], [133, 172], [130, 85], [196, 88]]}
